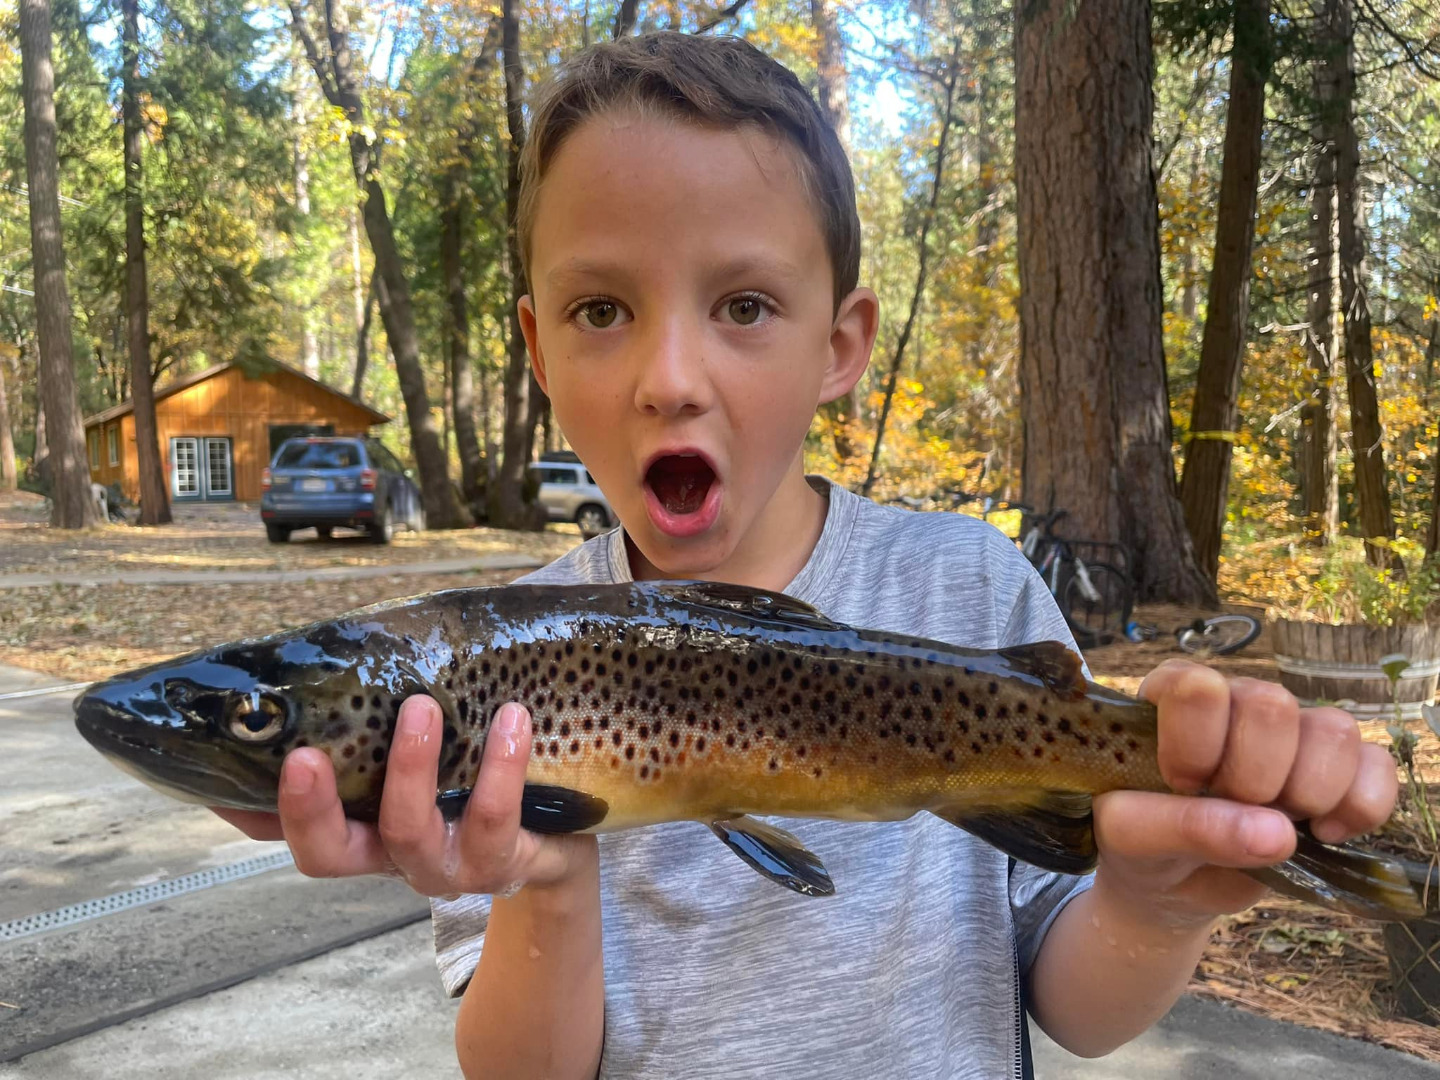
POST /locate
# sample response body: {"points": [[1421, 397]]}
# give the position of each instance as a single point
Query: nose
{"points": [[674, 378]]}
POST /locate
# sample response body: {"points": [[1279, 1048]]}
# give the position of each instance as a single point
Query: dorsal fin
{"points": [[1053, 664], [744, 600]]}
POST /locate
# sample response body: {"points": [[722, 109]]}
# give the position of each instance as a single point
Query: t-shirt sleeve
{"points": [[1031, 614], [459, 927]]}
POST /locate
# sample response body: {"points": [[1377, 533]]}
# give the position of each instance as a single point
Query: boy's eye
{"points": [[599, 314], [747, 310]]}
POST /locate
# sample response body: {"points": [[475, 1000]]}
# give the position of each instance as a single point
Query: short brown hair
{"points": [[716, 81]]}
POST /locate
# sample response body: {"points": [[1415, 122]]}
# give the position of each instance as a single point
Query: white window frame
{"points": [[229, 490], [193, 445]]}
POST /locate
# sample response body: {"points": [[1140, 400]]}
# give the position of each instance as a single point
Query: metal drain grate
{"points": [[145, 894]]}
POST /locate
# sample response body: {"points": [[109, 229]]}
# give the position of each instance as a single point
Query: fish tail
{"points": [[1345, 877]]}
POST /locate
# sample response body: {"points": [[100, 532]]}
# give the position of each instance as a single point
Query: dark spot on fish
{"points": [[786, 674], [372, 722], [616, 738], [1021, 734], [630, 753], [975, 746], [964, 728], [950, 756], [1083, 740], [1064, 726], [569, 648], [554, 749], [349, 750], [774, 765], [730, 739], [644, 771], [357, 703], [1132, 744], [1094, 706], [584, 663], [631, 659], [964, 699], [700, 744], [570, 676], [1048, 737], [980, 712], [574, 746], [1039, 750], [1120, 756], [994, 688]]}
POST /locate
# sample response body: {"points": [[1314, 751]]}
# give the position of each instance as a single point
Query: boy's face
{"points": [[681, 319]]}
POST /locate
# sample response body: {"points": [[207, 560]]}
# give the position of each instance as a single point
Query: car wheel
{"points": [[417, 521], [324, 531], [382, 529], [592, 519], [277, 534]]}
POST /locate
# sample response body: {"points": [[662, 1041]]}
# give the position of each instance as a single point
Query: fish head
{"points": [[213, 727]]}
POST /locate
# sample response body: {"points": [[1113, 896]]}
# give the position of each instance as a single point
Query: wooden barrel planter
{"points": [[1321, 662], [1414, 952]]}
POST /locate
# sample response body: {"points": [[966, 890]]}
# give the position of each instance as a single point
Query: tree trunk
{"points": [[625, 17], [362, 346], [1205, 481], [455, 200], [309, 343], [9, 475], [508, 506], [937, 177], [833, 94], [1093, 396], [154, 496], [69, 467], [362, 298], [1319, 483], [1432, 535], [340, 84], [1366, 439]]}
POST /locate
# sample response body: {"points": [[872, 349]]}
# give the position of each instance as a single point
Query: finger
{"points": [[323, 841], [1194, 717], [1147, 825], [490, 829], [255, 824], [1326, 759], [1260, 745], [411, 825], [1367, 803]]}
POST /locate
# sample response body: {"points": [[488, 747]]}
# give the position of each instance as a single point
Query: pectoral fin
{"points": [[776, 854], [1053, 830]]}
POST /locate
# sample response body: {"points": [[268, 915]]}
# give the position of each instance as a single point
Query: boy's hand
{"points": [[486, 851], [1261, 761]]}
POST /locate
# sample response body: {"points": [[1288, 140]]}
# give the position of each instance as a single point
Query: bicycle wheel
{"points": [[1099, 619], [1219, 634]]}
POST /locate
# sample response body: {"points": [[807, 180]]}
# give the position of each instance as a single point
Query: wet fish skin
{"points": [[657, 702]]}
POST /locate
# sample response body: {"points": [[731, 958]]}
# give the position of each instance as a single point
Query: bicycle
{"points": [[1218, 635], [1095, 597]]}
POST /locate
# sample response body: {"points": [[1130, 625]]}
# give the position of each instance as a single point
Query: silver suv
{"points": [[569, 493]]}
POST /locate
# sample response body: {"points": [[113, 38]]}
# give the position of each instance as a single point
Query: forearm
{"points": [[536, 1004], [1106, 971]]}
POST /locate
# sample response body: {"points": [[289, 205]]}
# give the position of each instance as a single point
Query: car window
{"points": [[557, 476], [590, 479], [318, 455]]}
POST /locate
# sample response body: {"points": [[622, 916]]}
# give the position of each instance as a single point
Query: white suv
{"points": [[569, 493]]}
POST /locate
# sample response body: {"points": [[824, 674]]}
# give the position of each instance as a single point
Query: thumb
{"points": [[1219, 832]]}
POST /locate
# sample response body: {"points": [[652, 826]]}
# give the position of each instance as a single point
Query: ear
{"points": [[852, 336], [526, 309]]}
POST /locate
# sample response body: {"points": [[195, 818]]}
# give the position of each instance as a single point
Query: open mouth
{"points": [[682, 493]]}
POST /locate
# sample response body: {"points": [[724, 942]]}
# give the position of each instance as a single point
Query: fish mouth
{"points": [[682, 491], [142, 735]]}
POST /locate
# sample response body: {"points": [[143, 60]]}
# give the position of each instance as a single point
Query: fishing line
{"points": [[42, 691]]}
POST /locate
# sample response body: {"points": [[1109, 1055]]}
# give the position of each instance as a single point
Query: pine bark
{"points": [[1319, 483], [1094, 402], [340, 84], [71, 506], [1377, 521], [154, 496], [1205, 481]]}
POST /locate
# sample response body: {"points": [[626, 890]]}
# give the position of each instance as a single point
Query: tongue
{"points": [[681, 483]]}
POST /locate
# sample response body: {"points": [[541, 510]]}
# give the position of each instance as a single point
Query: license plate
{"points": [[314, 485]]}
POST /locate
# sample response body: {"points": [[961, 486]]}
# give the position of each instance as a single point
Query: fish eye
{"points": [[256, 717]]}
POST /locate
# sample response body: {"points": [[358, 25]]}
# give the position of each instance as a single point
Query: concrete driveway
{"points": [[251, 973]]}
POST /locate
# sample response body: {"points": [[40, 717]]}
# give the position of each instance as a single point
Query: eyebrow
{"points": [[741, 266]]}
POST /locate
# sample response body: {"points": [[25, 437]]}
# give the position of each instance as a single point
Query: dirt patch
{"points": [[84, 633], [231, 537]]}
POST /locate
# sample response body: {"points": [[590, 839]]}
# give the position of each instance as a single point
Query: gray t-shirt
{"points": [[913, 968]]}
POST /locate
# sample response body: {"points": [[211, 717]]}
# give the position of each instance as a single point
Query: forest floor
{"points": [[1282, 959]]}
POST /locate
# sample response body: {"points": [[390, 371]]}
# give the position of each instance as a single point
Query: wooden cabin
{"points": [[219, 428]]}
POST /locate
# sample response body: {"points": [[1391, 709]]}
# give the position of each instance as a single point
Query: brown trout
{"points": [[670, 701]]}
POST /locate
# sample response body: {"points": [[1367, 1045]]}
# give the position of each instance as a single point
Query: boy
{"points": [[690, 238]]}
